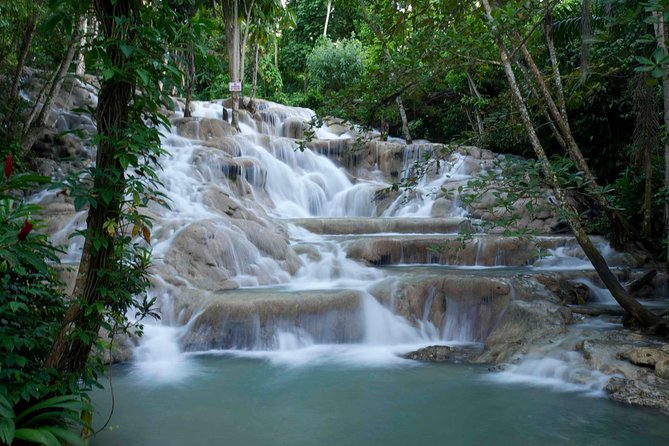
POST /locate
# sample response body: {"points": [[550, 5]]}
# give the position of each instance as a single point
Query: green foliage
{"points": [[334, 66], [270, 82], [49, 422], [31, 303]]}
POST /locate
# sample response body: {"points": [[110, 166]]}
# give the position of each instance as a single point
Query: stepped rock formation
{"points": [[265, 246]]}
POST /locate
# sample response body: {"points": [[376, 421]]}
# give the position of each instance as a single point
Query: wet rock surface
{"points": [[444, 353]]}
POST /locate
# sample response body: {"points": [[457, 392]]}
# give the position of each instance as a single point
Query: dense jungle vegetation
{"points": [[580, 84]]}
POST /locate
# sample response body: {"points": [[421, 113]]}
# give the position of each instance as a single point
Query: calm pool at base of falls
{"points": [[250, 401]]}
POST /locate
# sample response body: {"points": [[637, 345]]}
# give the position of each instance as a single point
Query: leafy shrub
{"points": [[334, 66], [31, 303]]}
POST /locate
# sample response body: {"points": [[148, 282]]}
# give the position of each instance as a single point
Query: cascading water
{"points": [[231, 195]]}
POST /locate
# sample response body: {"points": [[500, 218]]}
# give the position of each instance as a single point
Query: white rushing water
{"points": [[233, 192]]}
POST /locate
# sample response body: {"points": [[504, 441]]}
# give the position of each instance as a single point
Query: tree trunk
{"points": [[405, 122], [242, 66], [620, 227], [543, 111], [231, 16], [70, 355], [557, 77], [276, 52], [190, 78], [39, 113], [81, 63], [477, 114], [23, 54], [60, 77], [327, 19], [254, 77], [661, 37], [586, 37], [646, 130], [631, 305]]}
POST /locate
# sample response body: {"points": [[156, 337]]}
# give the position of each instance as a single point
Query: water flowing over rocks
{"points": [[266, 247]]}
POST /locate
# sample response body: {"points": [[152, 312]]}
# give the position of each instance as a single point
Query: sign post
{"points": [[235, 86]]}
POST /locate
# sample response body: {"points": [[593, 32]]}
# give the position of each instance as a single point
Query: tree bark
{"points": [[231, 17], [81, 63], [405, 122], [327, 19], [242, 67], [254, 77], [631, 305], [477, 114], [70, 354], [557, 77], [543, 111], [190, 78]]}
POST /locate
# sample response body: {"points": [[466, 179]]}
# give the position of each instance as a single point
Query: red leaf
{"points": [[8, 166], [25, 230]]}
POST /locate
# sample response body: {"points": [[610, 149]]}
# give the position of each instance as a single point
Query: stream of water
{"points": [[272, 335]]}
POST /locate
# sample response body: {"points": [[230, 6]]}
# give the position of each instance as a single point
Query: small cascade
{"points": [[557, 365], [600, 295]]}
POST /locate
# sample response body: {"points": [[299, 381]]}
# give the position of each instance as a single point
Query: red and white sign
{"points": [[235, 86]]}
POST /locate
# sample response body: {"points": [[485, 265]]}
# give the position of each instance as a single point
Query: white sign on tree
{"points": [[235, 86]]}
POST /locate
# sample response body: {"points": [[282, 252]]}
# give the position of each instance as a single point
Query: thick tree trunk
{"points": [[327, 19], [81, 63], [245, 38], [70, 354], [231, 17], [631, 305]]}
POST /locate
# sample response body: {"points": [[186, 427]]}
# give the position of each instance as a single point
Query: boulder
{"points": [[521, 325], [203, 129], [648, 391], [644, 356], [443, 353]]}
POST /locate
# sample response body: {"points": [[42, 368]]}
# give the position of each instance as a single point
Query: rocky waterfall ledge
{"points": [[267, 247]]}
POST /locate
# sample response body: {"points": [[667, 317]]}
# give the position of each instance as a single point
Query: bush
{"points": [[31, 302], [334, 66]]}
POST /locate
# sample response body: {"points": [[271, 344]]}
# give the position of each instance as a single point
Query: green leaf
{"points": [[107, 73], [144, 75], [7, 429], [68, 402], [39, 436], [127, 50], [67, 436], [107, 196]]}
